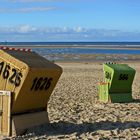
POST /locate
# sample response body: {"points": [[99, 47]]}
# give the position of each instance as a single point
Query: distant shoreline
{"points": [[128, 47], [86, 58]]}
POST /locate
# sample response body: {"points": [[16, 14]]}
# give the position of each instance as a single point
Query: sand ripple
{"points": [[76, 113]]}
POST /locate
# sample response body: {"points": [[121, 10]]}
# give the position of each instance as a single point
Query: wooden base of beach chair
{"points": [[21, 123]]}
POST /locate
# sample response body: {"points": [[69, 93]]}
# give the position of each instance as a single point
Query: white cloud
{"points": [[31, 9], [27, 1], [79, 29], [25, 29]]}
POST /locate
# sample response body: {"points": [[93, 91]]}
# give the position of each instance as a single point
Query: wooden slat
{"points": [[5, 105]]}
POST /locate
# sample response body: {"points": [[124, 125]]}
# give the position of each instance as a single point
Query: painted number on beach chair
{"points": [[14, 78], [41, 83], [108, 75], [123, 77]]}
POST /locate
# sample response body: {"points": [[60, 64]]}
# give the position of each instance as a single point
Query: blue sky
{"points": [[70, 20]]}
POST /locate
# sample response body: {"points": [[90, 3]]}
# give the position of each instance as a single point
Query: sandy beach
{"points": [[41, 101], [75, 112]]}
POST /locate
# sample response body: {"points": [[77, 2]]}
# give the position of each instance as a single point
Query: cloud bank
{"points": [[31, 33]]}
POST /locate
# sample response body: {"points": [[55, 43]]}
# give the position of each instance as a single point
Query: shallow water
{"points": [[45, 51]]}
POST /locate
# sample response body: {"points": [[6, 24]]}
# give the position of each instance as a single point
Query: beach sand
{"points": [[75, 112]]}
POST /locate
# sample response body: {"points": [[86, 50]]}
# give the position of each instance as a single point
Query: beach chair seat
{"points": [[117, 85]]}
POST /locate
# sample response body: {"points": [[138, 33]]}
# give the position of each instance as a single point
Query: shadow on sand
{"points": [[65, 128], [136, 101]]}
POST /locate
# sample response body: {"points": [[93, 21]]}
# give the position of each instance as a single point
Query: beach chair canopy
{"points": [[119, 76], [30, 77]]}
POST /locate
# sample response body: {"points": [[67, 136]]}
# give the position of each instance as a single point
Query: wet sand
{"points": [[75, 112], [66, 57], [100, 58]]}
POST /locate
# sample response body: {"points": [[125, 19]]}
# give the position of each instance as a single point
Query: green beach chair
{"points": [[118, 83]]}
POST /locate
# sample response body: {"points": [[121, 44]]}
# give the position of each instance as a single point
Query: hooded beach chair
{"points": [[117, 85]]}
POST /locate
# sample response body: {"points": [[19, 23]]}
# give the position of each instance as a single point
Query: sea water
{"points": [[75, 50], [78, 48]]}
